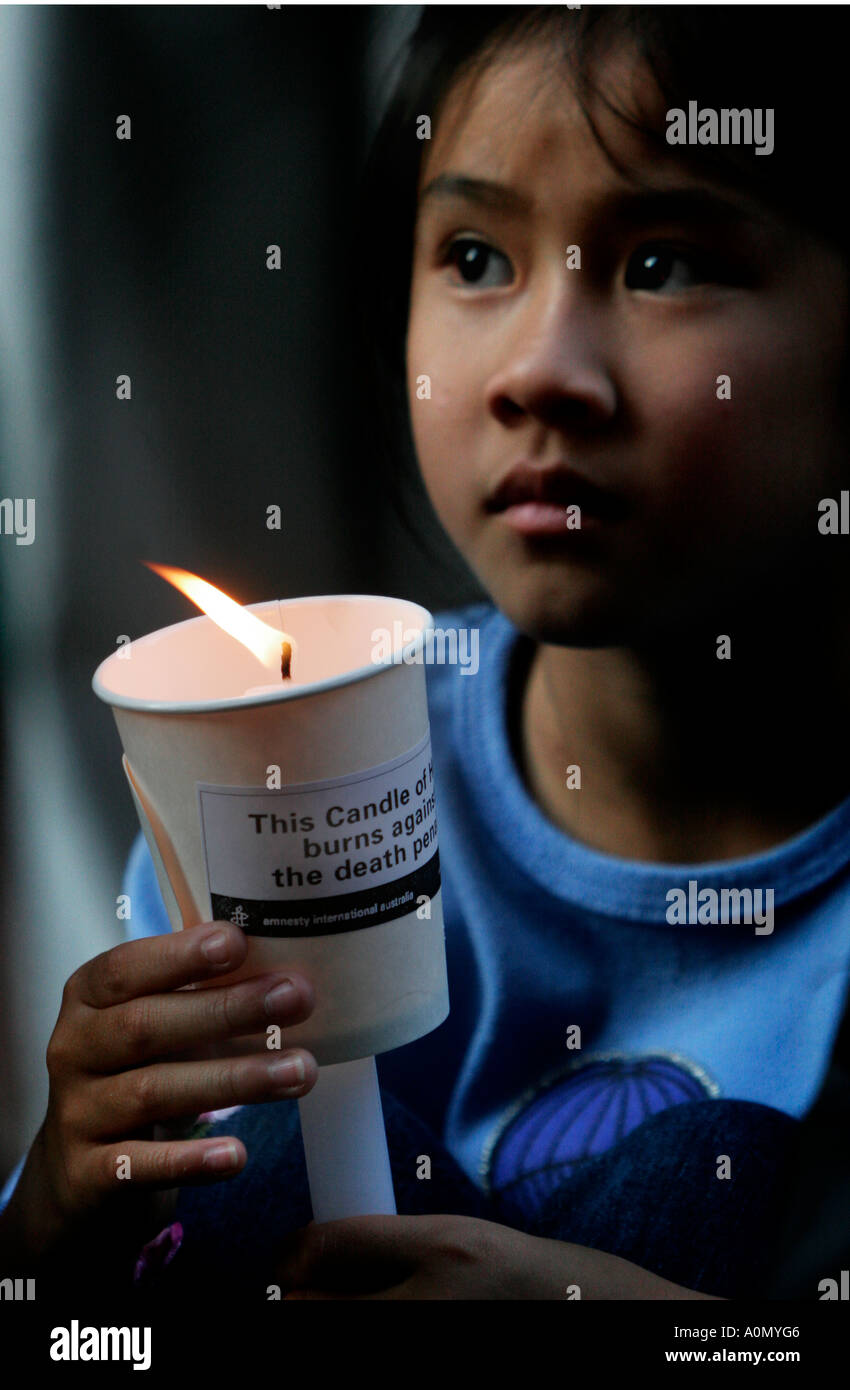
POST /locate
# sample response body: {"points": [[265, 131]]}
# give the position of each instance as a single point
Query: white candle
{"points": [[345, 1143], [231, 836]]}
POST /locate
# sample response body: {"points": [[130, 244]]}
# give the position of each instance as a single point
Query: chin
{"points": [[560, 623], [561, 604]]}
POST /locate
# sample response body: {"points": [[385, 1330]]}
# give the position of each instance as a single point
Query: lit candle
{"points": [[302, 808], [268, 645]]}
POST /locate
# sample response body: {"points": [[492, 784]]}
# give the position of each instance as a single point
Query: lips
{"points": [[555, 484]]}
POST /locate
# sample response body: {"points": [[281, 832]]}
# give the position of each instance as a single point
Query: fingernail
{"points": [[222, 1157], [277, 998], [216, 948], [287, 1071]]}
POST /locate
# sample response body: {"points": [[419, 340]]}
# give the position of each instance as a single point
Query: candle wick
{"points": [[285, 660]]}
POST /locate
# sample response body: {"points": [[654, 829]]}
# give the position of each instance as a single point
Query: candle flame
{"points": [[265, 642]]}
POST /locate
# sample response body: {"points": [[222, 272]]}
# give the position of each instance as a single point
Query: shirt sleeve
{"points": [[11, 1183], [148, 916]]}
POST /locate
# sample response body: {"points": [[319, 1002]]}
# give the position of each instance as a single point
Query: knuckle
{"points": [[139, 1026], [70, 991], [67, 1114], [225, 1084], [110, 974], [223, 1005], [143, 1093], [164, 1164], [234, 1081], [57, 1056], [460, 1242]]}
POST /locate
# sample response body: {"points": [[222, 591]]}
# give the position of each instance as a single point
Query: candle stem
{"points": [[345, 1143]]}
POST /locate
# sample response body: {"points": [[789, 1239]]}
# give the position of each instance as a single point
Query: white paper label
{"points": [[315, 858]]}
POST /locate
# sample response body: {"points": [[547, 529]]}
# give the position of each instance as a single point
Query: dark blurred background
{"points": [[147, 257]]}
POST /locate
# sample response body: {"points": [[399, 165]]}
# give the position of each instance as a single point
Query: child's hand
{"points": [[118, 1062], [457, 1257]]}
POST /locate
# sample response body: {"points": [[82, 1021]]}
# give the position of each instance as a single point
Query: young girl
{"points": [[624, 370]]}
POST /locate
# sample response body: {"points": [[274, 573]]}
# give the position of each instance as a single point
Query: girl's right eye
{"points": [[471, 257]]}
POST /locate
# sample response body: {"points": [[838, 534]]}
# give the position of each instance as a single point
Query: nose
{"points": [[555, 362]]}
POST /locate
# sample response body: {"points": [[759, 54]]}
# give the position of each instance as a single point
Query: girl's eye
{"points": [[656, 266], [472, 257]]}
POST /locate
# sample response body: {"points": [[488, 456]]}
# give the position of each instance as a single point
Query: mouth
{"points": [[541, 500]]}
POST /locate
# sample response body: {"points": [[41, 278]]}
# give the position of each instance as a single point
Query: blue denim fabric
{"points": [[655, 1199]]}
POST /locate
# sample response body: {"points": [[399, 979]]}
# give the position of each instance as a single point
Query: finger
{"points": [[157, 1025], [156, 964], [370, 1251], [164, 1164], [133, 1100], [245, 1046], [248, 1046]]}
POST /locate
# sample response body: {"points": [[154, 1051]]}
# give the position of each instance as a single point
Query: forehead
{"points": [[521, 117]]}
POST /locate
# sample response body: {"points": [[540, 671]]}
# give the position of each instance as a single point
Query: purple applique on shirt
{"points": [[158, 1254]]}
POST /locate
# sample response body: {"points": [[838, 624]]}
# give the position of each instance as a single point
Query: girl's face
{"points": [[612, 368]]}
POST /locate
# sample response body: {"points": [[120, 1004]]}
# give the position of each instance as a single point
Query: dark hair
{"points": [[788, 58]]}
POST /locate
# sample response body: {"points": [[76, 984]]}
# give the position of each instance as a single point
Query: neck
{"points": [[685, 757]]}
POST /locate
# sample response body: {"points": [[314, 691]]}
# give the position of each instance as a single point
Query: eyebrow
{"points": [[680, 204], [633, 207], [483, 192]]}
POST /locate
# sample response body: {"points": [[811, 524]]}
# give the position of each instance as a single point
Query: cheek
{"points": [[442, 425], [743, 456]]}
